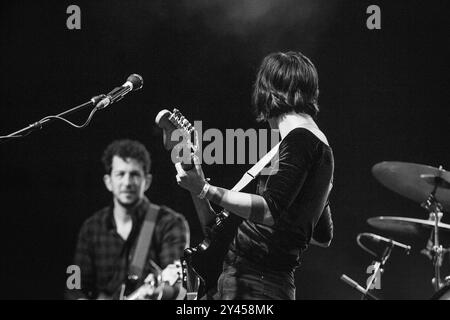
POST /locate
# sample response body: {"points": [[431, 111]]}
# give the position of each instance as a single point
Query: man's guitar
{"points": [[152, 287], [202, 264]]}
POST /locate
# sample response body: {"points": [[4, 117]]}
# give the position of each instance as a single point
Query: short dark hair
{"points": [[286, 82], [126, 149]]}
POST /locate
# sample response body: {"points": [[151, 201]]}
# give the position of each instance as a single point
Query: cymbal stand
{"points": [[435, 210]]}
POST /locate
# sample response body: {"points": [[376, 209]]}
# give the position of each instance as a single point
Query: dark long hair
{"points": [[286, 82]]}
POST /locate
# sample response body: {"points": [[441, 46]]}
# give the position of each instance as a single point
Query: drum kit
{"points": [[428, 186]]}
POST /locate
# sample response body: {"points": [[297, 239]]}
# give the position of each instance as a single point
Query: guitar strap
{"points": [[144, 241], [257, 168]]}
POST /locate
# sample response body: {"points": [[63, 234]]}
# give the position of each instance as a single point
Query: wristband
{"points": [[204, 191]]}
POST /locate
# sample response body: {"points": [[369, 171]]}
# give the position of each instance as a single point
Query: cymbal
{"points": [[406, 225], [433, 180], [414, 181]]}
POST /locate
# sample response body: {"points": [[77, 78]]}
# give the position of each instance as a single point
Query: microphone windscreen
{"points": [[136, 80]]}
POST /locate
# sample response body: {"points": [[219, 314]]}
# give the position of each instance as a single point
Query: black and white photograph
{"points": [[231, 150]]}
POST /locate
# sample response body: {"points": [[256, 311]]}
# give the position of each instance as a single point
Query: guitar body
{"points": [[206, 259], [156, 286], [125, 289]]}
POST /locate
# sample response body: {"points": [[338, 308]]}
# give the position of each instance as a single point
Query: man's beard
{"points": [[130, 205]]}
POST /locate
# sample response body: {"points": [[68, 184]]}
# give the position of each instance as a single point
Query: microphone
{"points": [[352, 283], [134, 82], [391, 242], [95, 100]]}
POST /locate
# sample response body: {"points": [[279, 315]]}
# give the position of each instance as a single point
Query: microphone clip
{"points": [[134, 82]]}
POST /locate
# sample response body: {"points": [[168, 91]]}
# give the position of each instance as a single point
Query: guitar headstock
{"points": [[171, 121], [180, 135]]}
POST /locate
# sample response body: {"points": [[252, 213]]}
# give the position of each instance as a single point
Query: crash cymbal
{"points": [[414, 181], [408, 226]]}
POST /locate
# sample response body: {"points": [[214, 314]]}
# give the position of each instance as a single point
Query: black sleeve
{"points": [[323, 232], [296, 154]]}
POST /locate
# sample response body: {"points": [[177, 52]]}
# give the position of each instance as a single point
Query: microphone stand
{"points": [[352, 283], [47, 120], [378, 269]]}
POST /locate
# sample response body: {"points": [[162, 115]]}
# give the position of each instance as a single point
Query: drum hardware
{"points": [[437, 251], [431, 188]]}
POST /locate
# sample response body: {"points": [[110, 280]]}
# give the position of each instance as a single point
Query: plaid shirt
{"points": [[104, 257]]}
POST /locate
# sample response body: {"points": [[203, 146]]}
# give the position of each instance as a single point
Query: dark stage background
{"points": [[382, 94]]}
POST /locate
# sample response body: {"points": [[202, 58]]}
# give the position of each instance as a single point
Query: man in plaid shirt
{"points": [[107, 239]]}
